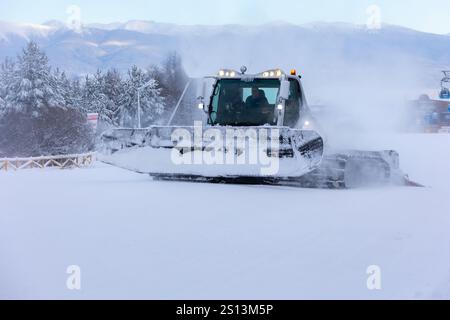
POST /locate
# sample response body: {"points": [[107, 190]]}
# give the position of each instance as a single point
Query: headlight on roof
{"points": [[272, 73], [228, 73]]}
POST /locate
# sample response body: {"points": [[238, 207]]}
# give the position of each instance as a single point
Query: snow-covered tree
{"points": [[76, 93], [151, 100], [6, 75], [103, 94], [39, 117], [2, 104], [44, 112], [32, 87], [62, 86], [114, 89], [94, 98]]}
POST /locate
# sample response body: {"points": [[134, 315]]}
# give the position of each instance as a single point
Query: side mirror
{"points": [[202, 105], [285, 89], [204, 91]]}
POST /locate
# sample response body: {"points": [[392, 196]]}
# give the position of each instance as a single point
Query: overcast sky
{"points": [[426, 15]]}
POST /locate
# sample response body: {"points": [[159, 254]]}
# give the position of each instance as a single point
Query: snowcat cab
{"points": [[269, 98]]}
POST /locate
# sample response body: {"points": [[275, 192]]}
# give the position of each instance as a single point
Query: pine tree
{"points": [[113, 88], [94, 99], [151, 101], [61, 85], [76, 94], [6, 75], [32, 87]]}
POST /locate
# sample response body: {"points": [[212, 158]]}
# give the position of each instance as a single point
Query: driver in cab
{"points": [[258, 108], [257, 100]]}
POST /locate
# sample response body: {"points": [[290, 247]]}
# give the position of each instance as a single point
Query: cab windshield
{"points": [[245, 103]]}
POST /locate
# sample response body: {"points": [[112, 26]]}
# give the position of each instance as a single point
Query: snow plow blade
{"points": [[355, 169], [188, 153]]}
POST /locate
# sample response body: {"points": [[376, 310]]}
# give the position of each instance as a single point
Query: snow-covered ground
{"points": [[137, 238]]}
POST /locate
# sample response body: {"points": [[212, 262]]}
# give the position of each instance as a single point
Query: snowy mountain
{"points": [[320, 50]]}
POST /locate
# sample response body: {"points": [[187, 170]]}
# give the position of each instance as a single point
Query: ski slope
{"points": [[137, 238]]}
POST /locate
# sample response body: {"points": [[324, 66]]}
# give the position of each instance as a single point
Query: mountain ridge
{"points": [[319, 49]]}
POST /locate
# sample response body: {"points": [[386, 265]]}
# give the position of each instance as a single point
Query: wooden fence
{"points": [[62, 162]]}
